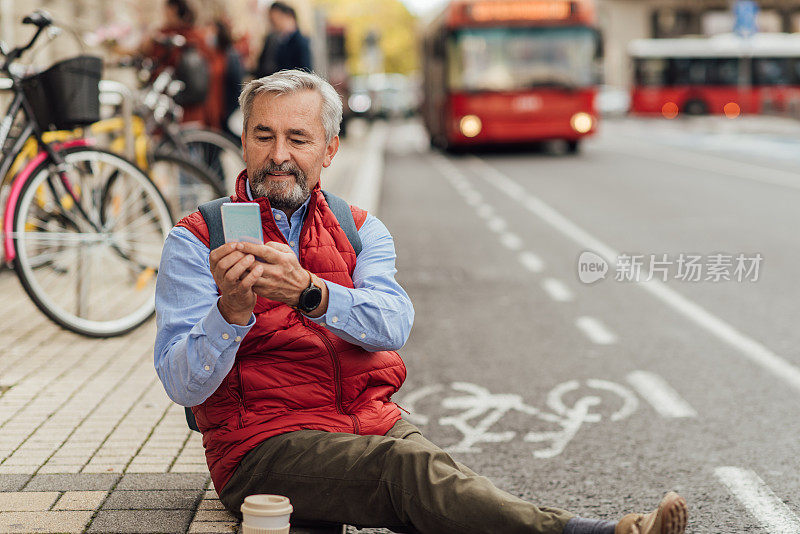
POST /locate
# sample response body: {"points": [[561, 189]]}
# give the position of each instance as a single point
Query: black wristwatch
{"points": [[310, 298]]}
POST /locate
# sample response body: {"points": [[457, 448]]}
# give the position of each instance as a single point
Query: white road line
{"points": [[473, 198], [747, 346], [557, 290], [531, 261], [759, 500], [717, 165], [511, 241], [496, 224], [595, 330], [660, 394], [485, 211]]}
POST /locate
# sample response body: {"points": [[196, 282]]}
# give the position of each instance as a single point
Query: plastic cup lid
{"points": [[266, 505]]}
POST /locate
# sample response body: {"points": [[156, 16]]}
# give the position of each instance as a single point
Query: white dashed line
{"points": [[557, 290], [747, 346], [496, 224], [485, 211], [660, 395], [758, 499], [595, 330], [715, 165], [531, 261], [511, 241], [473, 198]]}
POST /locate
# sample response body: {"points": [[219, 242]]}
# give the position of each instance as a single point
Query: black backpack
{"points": [[193, 70], [212, 215]]}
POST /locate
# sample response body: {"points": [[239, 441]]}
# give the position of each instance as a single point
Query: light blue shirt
{"points": [[195, 347]]}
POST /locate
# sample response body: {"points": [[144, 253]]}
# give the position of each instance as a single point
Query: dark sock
{"points": [[580, 525]]}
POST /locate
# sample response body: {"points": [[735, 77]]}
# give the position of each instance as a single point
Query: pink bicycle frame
{"points": [[16, 190]]}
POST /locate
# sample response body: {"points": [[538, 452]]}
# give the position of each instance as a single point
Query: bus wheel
{"points": [[696, 107], [573, 147], [439, 143]]}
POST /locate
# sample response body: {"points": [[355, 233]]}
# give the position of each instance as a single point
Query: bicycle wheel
{"points": [[184, 183], [219, 152], [91, 265]]}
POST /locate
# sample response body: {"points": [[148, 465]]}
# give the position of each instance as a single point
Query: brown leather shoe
{"points": [[670, 517]]}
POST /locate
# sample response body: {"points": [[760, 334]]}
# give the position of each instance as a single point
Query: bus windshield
{"points": [[515, 59]]}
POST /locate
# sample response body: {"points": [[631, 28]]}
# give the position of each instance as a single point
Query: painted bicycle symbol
{"points": [[481, 409]]}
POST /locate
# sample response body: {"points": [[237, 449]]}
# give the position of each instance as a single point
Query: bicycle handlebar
{"points": [[39, 18]]}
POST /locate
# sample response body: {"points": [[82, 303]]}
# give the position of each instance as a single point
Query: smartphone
{"points": [[241, 221]]}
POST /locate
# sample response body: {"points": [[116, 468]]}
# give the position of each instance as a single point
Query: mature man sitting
{"points": [[286, 350]]}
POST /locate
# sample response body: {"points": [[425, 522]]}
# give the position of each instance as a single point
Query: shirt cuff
{"points": [[340, 302], [222, 334]]}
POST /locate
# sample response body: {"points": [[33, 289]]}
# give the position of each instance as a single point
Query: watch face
{"points": [[310, 298]]}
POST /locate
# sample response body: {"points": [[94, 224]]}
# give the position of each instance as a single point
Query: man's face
{"points": [[285, 148]]}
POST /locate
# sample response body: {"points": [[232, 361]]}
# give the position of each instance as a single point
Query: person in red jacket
{"points": [[180, 19], [286, 351]]}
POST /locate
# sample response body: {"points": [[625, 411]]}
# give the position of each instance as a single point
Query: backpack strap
{"points": [[341, 209], [212, 215]]}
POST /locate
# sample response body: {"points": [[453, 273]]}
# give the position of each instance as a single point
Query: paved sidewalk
{"points": [[89, 441]]}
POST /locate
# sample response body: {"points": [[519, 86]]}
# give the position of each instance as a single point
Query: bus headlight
{"points": [[470, 125], [581, 122]]}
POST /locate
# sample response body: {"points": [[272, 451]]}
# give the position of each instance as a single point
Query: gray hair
{"points": [[292, 81]]}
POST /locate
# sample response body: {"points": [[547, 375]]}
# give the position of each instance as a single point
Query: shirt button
{"points": [[323, 323], [225, 336], [363, 335], [237, 339], [291, 243], [334, 319], [277, 217], [207, 367]]}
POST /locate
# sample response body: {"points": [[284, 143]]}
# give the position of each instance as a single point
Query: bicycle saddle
{"points": [[39, 18]]}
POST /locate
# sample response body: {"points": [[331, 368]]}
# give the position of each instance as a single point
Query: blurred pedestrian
{"points": [[284, 47], [195, 63], [233, 73]]}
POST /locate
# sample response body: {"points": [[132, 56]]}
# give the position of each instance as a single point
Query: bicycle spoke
{"points": [[122, 210], [46, 257], [139, 221], [63, 238]]}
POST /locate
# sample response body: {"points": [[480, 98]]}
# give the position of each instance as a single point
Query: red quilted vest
{"points": [[290, 373]]}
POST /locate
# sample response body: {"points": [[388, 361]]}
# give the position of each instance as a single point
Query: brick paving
{"points": [[89, 441]]}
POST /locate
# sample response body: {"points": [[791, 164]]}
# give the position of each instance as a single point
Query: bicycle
{"points": [[216, 152], [83, 226]]}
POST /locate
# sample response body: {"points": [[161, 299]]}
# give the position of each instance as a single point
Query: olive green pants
{"points": [[400, 481]]}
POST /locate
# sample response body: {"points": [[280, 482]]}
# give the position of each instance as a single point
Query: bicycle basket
{"points": [[67, 94]]}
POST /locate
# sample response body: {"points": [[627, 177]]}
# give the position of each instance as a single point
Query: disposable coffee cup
{"points": [[266, 514]]}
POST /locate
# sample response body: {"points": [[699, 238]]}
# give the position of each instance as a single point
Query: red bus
{"points": [[511, 71], [722, 74]]}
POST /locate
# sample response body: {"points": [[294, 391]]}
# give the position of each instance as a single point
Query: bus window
{"points": [[686, 71], [771, 71], [651, 72], [513, 59], [725, 71]]}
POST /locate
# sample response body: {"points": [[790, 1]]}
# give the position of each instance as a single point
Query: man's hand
{"points": [[235, 274], [281, 277]]}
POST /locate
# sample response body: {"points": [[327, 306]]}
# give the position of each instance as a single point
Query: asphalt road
{"points": [[598, 398]]}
